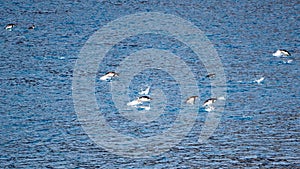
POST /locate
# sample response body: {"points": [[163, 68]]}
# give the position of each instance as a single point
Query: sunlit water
{"points": [[259, 128]]}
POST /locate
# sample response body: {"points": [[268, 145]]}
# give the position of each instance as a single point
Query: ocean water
{"points": [[260, 124]]}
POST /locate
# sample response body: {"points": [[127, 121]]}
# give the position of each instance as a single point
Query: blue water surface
{"points": [[260, 127]]}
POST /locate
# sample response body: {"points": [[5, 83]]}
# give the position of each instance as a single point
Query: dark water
{"points": [[260, 126]]}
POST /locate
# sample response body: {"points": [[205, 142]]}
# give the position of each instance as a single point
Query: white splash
{"points": [[221, 98], [145, 92], [144, 107], [288, 61], [258, 81], [209, 108], [134, 102]]}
